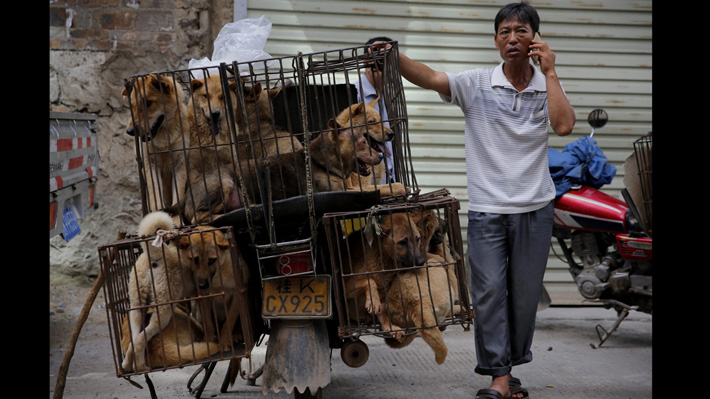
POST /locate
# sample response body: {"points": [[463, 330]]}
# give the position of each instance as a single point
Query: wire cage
{"points": [[281, 154], [406, 257], [191, 139], [187, 297], [643, 149], [268, 146]]}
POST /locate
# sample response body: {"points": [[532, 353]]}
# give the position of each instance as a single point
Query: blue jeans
{"points": [[508, 256]]}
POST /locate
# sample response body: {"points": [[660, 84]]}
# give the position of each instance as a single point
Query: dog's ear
{"points": [[374, 102], [385, 222], [358, 109], [196, 84], [222, 241], [161, 83], [184, 242], [274, 92], [334, 125], [256, 90], [233, 86]]}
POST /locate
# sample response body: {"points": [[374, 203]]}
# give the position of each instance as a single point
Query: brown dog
{"points": [[160, 276], [226, 306], [395, 248], [365, 119], [157, 117], [423, 297], [181, 341], [209, 250], [334, 154], [210, 134], [177, 269], [259, 137]]}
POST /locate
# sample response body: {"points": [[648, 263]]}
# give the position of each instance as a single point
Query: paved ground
{"points": [[564, 366]]}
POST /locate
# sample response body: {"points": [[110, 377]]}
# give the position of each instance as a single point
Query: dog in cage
{"points": [[334, 155], [210, 136], [259, 136], [365, 119], [181, 341], [394, 248], [422, 298], [164, 272], [158, 114], [209, 249]]}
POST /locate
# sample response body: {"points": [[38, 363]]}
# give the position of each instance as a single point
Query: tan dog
{"points": [[259, 137], [210, 135], [158, 117], [173, 271], [208, 250], [181, 341], [396, 248], [424, 297], [365, 119], [226, 306], [159, 277], [334, 154]]}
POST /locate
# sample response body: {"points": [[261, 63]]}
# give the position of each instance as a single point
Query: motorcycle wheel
{"points": [[307, 394]]}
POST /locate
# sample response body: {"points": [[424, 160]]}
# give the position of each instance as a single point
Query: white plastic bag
{"points": [[240, 41]]}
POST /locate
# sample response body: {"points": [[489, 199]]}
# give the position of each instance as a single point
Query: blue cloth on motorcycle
{"points": [[580, 162]]}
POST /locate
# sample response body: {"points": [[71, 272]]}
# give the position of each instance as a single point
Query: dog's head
{"points": [[400, 240], [206, 249], [366, 120], [258, 103], [433, 230], [154, 101], [353, 147], [209, 103]]}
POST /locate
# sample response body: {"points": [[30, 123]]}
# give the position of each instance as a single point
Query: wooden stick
{"points": [[64, 367]]}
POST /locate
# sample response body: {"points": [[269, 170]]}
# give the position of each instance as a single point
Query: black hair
{"points": [[378, 39], [522, 11]]}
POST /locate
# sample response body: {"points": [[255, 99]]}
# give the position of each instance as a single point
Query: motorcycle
{"points": [[607, 242]]}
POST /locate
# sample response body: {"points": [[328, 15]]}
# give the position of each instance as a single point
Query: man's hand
{"points": [[546, 57]]}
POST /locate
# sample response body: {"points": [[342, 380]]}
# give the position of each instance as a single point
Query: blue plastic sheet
{"points": [[580, 162]]}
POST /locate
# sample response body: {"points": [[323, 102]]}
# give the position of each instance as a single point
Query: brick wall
{"points": [[174, 26]]}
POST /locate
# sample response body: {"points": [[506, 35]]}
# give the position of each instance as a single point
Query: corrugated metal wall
{"points": [[604, 60]]}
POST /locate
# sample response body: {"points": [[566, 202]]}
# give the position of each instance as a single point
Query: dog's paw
{"points": [[141, 367], [127, 365], [396, 335], [373, 307]]}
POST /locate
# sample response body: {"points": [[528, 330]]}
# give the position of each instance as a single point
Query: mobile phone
{"points": [[534, 57]]}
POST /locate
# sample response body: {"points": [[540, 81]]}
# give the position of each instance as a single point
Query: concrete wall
{"points": [[93, 46]]}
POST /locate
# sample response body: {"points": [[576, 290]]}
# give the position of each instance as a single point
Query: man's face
{"points": [[513, 40]]}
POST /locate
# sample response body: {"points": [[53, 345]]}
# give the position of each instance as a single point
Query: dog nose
{"points": [[215, 115], [203, 284], [390, 134], [131, 131], [419, 261]]}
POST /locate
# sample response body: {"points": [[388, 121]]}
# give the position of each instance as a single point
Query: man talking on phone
{"points": [[508, 111]]}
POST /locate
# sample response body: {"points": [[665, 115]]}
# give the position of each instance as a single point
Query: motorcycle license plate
{"points": [[297, 297]]}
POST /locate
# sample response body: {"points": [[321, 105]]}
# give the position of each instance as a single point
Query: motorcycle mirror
{"points": [[597, 119]]}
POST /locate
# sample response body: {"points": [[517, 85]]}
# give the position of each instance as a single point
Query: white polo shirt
{"points": [[506, 144]]}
